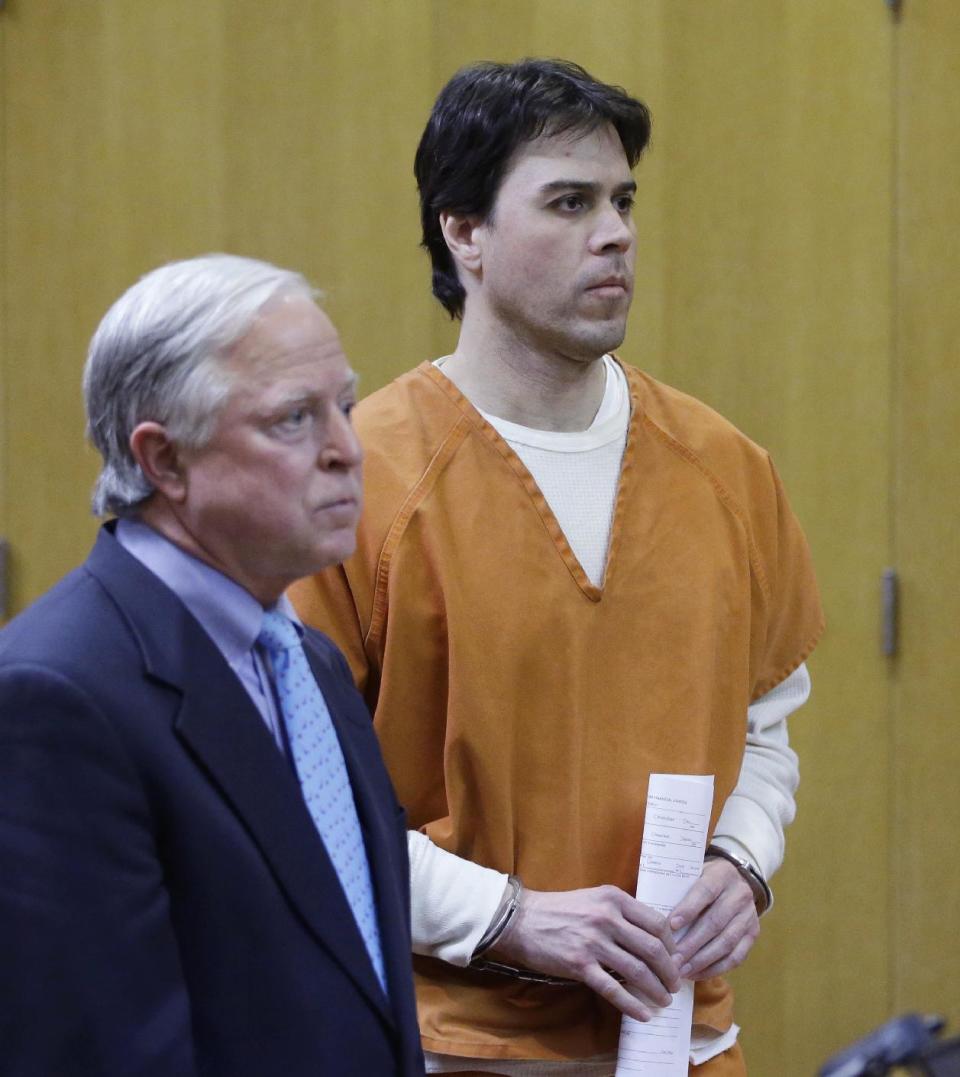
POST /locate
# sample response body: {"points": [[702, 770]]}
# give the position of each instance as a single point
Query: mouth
{"points": [[347, 503], [609, 286]]}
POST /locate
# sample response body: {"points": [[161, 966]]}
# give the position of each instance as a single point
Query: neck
{"points": [[157, 513], [509, 378]]}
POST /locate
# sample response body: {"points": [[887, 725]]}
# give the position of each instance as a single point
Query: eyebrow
{"points": [[310, 396], [628, 186]]}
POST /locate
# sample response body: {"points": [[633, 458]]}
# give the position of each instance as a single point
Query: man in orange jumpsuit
{"points": [[568, 577]]}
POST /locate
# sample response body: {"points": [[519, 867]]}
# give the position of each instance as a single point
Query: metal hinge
{"points": [[890, 601]]}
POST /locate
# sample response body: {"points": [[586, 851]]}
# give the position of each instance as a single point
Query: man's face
{"points": [[558, 250], [275, 494]]}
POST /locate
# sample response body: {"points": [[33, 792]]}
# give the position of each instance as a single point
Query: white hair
{"points": [[157, 356]]}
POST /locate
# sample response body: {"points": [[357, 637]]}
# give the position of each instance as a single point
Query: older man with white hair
{"points": [[202, 861]]}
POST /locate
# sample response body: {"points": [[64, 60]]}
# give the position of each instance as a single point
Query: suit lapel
{"points": [[224, 732], [228, 737]]}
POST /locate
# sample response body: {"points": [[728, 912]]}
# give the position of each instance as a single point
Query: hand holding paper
{"points": [[671, 859], [598, 936], [723, 923]]}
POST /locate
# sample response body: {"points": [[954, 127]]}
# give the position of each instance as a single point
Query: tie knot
{"points": [[277, 633]]}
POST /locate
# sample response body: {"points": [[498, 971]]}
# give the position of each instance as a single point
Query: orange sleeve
{"points": [[793, 620]]}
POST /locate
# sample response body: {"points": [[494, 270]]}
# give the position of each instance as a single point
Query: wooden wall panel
{"points": [[774, 202], [323, 108], [926, 880], [55, 198], [111, 168], [133, 133]]}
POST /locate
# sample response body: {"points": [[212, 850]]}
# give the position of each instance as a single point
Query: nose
{"points": [[340, 449], [614, 232]]}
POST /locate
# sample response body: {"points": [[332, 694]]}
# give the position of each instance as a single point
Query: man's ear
{"points": [[159, 459], [462, 235]]}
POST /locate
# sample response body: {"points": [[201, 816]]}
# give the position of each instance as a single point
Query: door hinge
{"points": [[896, 7], [890, 602]]}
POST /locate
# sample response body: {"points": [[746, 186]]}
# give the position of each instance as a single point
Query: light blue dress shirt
{"points": [[227, 612]]}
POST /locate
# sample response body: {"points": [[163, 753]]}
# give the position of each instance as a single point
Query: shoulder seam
{"points": [[804, 653], [424, 484], [725, 496]]}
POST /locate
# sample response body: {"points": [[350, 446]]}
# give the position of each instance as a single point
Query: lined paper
{"points": [[671, 860]]}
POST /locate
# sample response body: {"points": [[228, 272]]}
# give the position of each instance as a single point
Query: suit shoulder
{"points": [[64, 629], [71, 655]]}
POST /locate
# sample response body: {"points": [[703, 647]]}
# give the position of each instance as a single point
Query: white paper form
{"points": [[671, 860]]}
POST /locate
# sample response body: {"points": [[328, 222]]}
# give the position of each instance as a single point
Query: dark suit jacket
{"points": [[166, 905]]}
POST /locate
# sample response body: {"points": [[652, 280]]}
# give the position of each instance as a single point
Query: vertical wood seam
{"points": [[894, 449]]}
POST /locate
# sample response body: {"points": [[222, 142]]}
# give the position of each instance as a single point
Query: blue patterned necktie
{"points": [[318, 757]]}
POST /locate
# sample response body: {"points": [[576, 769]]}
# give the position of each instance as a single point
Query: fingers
{"points": [[638, 947], [632, 942], [641, 980], [626, 951], [717, 876], [647, 956], [632, 1004], [726, 950], [722, 933], [732, 960], [647, 920], [598, 936], [714, 898]]}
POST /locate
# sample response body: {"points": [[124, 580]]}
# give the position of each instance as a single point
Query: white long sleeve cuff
{"points": [[452, 900], [752, 822]]}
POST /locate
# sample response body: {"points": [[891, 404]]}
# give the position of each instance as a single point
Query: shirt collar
{"points": [[229, 614]]}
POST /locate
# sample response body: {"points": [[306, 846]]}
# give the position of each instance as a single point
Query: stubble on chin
{"points": [[601, 338]]}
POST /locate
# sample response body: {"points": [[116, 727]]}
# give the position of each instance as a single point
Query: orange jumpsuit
{"points": [[520, 708]]}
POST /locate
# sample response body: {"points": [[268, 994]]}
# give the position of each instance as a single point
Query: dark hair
{"points": [[480, 118]]}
